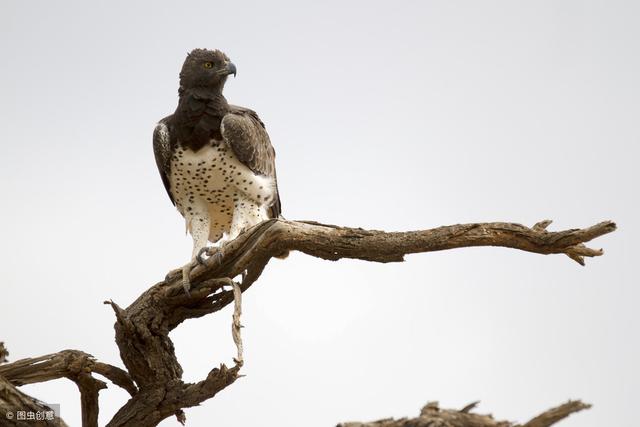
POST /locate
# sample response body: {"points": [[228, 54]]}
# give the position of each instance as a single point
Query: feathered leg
{"points": [[246, 214], [198, 223]]}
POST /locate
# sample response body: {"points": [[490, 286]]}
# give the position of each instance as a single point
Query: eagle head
{"points": [[205, 68]]}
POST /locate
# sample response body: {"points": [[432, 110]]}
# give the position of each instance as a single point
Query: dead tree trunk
{"points": [[153, 375]]}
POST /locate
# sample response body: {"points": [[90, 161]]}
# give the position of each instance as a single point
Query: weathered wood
{"points": [[432, 416], [13, 401], [74, 365], [3, 353], [142, 329], [553, 415], [64, 364]]}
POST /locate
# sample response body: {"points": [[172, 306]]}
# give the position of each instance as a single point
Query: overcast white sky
{"points": [[389, 115]]}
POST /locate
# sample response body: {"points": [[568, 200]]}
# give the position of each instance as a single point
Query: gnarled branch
{"points": [[74, 365], [142, 329], [14, 401], [431, 415], [252, 250], [64, 364]]}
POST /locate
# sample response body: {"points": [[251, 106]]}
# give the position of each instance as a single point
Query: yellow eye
{"points": [[208, 65]]}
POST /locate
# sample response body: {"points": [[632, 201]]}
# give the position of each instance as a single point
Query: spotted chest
{"points": [[211, 185]]}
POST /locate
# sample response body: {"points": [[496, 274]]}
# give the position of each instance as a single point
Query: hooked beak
{"points": [[230, 69]]}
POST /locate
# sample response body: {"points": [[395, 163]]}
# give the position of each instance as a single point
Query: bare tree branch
{"points": [[74, 365], [556, 414], [256, 247], [431, 415], [64, 364], [153, 374], [13, 401], [89, 388]]}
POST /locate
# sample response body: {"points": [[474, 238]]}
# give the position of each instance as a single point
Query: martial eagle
{"points": [[215, 159]]}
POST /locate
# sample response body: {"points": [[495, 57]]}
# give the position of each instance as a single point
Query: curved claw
{"points": [[201, 253], [218, 255], [210, 252]]}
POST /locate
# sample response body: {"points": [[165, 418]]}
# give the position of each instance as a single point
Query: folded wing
{"points": [[245, 133]]}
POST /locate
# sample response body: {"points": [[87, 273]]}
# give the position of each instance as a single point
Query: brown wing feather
{"points": [[162, 151], [245, 133]]}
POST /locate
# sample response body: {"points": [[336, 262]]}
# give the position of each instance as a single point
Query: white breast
{"points": [[211, 184]]}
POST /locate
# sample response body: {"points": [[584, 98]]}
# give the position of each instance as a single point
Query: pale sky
{"points": [[394, 116]]}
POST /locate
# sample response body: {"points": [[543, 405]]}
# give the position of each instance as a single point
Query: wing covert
{"points": [[245, 133]]}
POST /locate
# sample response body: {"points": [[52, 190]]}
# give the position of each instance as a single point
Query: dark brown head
{"points": [[206, 69]]}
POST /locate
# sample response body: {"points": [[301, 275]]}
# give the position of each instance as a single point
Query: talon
{"points": [[218, 255], [201, 253]]}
